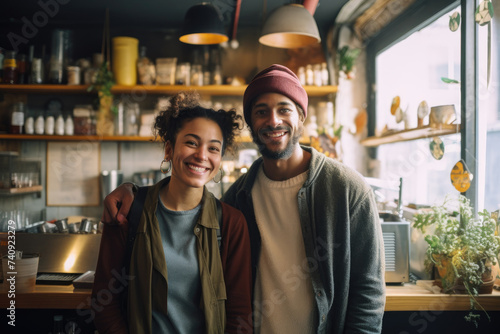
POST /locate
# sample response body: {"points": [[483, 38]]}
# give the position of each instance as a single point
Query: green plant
{"points": [[463, 247], [346, 59], [103, 83]]}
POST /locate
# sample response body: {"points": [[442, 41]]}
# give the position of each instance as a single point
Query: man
{"points": [[317, 247]]}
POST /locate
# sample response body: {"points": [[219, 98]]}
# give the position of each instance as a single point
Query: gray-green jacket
{"points": [[343, 242]]}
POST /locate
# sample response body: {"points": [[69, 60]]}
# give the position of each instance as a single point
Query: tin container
{"points": [[62, 225], [86, 226]]}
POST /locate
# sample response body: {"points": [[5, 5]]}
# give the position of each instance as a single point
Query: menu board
{"points": [[73, 170]]}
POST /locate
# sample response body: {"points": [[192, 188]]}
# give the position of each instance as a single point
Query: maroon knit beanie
{"points": [[274, 79]]}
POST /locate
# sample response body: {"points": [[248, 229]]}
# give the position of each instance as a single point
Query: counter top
{"points": [[48, 297], [411, 297], [407, 297]]}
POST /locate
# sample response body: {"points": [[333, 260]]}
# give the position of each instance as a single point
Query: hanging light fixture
{"points": [[290, 26], [203, 25]]}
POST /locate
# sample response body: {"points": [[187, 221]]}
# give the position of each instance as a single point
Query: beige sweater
{"points": [[284, 300]]}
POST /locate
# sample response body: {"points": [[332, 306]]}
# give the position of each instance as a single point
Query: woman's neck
{"points": [[178, 197]]}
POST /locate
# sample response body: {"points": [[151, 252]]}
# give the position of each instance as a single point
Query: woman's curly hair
{"points": [[185, 106]]}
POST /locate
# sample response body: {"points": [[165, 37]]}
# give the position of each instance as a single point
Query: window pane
{"points": [[412, 69], [489, 115]]}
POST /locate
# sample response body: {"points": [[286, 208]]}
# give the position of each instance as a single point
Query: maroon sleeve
{"points": [[109, 282], [236, 263]]}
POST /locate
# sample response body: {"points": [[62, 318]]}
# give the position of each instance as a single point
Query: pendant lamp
{"points": [[290, 26], [203, 25]]}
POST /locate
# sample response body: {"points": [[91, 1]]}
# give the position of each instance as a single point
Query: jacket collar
{"points": [[208, 216]]}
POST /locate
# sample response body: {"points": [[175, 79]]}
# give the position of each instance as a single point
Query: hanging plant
{"points": [[103, 85]]}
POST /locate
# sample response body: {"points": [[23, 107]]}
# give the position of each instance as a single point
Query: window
{"points": [[409, 60]]}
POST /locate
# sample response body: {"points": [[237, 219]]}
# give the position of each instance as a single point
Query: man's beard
{"points": [[281, 154]]}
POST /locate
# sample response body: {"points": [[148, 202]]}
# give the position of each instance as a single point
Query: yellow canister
{"points": [[124, 62]]}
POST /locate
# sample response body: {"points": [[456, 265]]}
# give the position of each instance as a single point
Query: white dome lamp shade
{"points": [[290, 26]]}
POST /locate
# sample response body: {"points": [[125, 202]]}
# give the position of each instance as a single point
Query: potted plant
{"points": [[463, 248], [346, 59]]}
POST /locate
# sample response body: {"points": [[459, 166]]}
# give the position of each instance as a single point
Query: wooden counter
{"points": [[48, 297], [412, 297], [409, 297]]}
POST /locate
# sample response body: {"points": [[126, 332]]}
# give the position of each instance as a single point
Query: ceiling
{"points": [[158, 14]]}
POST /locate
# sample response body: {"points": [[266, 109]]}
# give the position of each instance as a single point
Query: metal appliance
{"points": [[61, 253], [396, 234]]}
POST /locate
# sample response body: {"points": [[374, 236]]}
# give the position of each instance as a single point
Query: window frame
{"points": [[416, 17]]}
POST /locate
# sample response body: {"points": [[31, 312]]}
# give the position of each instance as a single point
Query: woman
{"points": [[180, 280]]}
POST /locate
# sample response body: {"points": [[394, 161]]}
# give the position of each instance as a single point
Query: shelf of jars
{"points": [[226, 90], [241, 139], [411, 134]]}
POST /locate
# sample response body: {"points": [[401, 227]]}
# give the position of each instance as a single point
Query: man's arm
{"points": [[367, 286], [117, 204]]}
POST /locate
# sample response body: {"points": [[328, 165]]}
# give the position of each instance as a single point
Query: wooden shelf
{"points": [[213, 90], [241, 139], [23, 190], [411, 134], [75, 138]]}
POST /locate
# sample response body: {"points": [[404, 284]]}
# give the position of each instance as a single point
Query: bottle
{"points": [[17, 118], [40, 124], [58, 325], [309, 75], [37, 72], [49, 124], [59, 125], [317, 74], [10, 70], [2, 57], [324, 74], [21, 66], [69, 127], [302, 75], [29, 124], [29, 60], [146, 71]]}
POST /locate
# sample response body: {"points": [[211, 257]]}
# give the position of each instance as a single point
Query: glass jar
{"points": [[17, 118], [73, 75], [10, 70]]}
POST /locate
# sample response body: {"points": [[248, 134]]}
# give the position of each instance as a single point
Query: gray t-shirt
{"points": [[184, 285]]}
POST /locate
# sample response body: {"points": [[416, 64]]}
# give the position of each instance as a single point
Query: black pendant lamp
{"points": [[290, 26], [203, 25]]}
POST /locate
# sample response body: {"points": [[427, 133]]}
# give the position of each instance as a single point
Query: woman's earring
{"points": [[162, 167], [218, 179]]}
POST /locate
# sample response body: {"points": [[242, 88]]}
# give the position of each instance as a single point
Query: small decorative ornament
{"points": [[461, 177], [396, 101], [422, 111], [484, 13], [454, 21], [399, 115], [437, 148]]}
